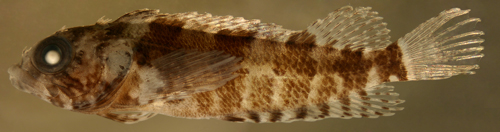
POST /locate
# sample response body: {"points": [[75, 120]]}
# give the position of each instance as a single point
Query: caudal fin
{"points": [[443, 46]]}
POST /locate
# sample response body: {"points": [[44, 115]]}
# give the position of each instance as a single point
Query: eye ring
{"points": [[52, 54]]}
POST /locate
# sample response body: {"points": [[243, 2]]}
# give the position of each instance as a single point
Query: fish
{"points": [[200, 66]]}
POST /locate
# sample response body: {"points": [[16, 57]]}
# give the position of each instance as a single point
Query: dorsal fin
{"points": [[357, 28], [212, 24]]}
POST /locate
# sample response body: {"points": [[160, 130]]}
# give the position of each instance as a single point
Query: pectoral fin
{"points": [[184, 72]]}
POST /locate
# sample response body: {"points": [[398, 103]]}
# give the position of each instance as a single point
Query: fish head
{"points": [[77, 68]]}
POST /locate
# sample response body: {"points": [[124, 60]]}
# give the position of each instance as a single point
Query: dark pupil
{"points": [[52, 47]]}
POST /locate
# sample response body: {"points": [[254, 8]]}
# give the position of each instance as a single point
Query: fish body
{"points": [[202, 66]]}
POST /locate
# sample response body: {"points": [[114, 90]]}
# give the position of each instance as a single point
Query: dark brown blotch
{"points": [[301, 112], [276, 116], [347, 114], [234, 44], [390, 62], [303, 39], [161, 39], [324, 108], [346, 108], [254, 116], [205, 101], [234, 119], [279, 72], [117, 29]]}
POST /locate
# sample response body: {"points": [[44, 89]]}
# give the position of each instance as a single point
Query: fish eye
{"points": [[52, 54]]}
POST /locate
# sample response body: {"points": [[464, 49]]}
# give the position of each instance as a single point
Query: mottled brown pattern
{"points": [[231, 96], [175, 101], [167, 35], [117, 29], [160, 40], [301, 112], [77, 33], [260, 92], [123, 98], [326, 89], [297, 93], [302, 39], [347, 114], [345, 108], [234, 45], [390, 63], [282, 71], [292, 60], [254, 116], [324, 108], [353, 68], [275, 116], [298, 48], [205, 102]]}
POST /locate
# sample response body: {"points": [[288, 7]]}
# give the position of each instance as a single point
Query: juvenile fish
{"points": [[202, 66]]}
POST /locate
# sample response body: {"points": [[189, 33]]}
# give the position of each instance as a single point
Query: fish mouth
{"points": [[19, 75], [21, 78]]}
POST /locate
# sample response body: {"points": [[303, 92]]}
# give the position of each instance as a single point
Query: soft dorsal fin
{"points": [[357, 28]]}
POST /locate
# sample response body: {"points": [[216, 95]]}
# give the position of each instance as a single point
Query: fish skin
{"points": [[202, 66]]}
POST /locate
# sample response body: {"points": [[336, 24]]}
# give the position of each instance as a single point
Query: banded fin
{"points": [[235, 26], [185, 72], [379, 101], [358, 28], [443, 46]]}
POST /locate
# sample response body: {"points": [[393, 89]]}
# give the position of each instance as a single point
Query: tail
{"points": [[443, 46]]}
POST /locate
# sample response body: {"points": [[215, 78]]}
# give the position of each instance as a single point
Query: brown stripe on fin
{"points": [[301, 113], [234, 119], [275, 116], [129, 118], [254, 116], [349, 28]]}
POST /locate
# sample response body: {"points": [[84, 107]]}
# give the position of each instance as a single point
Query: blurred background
{"points": [[461, 103]]}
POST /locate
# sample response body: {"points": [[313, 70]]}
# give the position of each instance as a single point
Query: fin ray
{"points": [[443, 46], [359, 106], [358, 28], [186, 72]]}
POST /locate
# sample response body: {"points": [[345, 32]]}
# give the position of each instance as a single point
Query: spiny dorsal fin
{"points": [[213, 24], [358, 28]]}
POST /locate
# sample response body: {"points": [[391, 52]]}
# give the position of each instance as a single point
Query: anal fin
{"points": [[379, 101], [129, 118]]}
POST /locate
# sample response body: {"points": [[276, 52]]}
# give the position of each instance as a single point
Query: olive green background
{"points": [[461, 103]]}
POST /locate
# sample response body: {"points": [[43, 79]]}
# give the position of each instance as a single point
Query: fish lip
{"points": [[22, 79], [14, 75]]}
